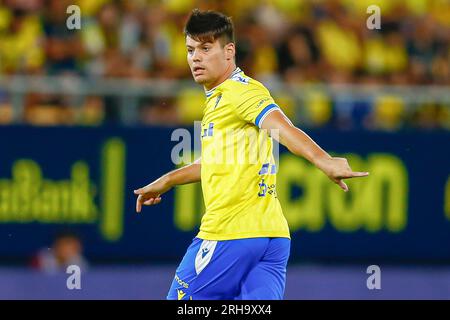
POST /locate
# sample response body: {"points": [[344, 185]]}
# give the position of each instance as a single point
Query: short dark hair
{"points": [[208, 26], [66, 234]]}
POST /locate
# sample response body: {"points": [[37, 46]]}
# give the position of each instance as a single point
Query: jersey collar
{"points": [[210, 92]]}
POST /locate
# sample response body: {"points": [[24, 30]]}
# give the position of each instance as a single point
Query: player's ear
{"points": [[230, 51]]}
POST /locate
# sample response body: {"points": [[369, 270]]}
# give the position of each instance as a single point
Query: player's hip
{"points": [[214, 269]]}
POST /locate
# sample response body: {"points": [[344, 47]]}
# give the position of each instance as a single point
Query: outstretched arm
{"points": [[151, 193], [300, 144]]}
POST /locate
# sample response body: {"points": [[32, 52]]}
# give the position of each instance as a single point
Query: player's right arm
{"points": [[300, 144], [151, 193]]}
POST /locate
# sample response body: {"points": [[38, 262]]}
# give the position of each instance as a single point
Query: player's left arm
{"points": [[300, 144]]}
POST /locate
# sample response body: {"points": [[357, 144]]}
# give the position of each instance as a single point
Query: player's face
{"points": [[208, 61]]}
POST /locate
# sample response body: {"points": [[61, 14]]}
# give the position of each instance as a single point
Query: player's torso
{"points": [[232, 149], [238, 172]]}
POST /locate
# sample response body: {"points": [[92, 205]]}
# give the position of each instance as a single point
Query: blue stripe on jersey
{"points": [[263, 112]]}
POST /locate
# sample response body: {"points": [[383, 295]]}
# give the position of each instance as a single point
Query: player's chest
{"points": [[218, 118]]}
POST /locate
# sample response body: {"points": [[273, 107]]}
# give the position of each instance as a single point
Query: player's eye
{"points": [[189, 50], [206, 49]]}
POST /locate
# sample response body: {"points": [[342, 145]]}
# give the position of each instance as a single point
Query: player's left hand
{"points": [[338, 169], [151, 193]]}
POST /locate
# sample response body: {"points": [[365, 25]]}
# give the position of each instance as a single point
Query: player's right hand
{"points": [[150, 194], [338, 169]]}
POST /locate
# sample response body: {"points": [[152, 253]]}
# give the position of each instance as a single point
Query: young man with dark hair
{"points": [[243, 246]]}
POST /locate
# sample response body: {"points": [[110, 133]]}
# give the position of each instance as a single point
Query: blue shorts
{"points": [[242, 269]]}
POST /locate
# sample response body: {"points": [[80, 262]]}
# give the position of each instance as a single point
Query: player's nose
{"points": [[196, 57]]}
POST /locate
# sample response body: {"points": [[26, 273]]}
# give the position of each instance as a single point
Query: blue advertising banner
{"points": [[82, 179]]}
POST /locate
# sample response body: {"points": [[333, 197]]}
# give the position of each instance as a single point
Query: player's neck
{"points": [[224, 77]]}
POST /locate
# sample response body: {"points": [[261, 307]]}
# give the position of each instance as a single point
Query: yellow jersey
{"points": [[238, 170]]}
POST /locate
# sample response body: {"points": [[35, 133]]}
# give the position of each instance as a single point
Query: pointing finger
{"points": [[343, 185], [138, 204], [352, 174], [360, 174]]}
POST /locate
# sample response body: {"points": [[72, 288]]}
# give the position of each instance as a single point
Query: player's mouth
{"points": [[198, 70]]}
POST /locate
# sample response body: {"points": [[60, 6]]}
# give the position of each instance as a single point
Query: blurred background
{"points": [[87, 116]]}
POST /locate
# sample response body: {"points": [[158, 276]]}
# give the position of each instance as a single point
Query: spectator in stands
{"points": [[298, 42], [66, 250]]}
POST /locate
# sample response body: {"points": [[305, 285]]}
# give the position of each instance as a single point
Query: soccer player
{"points": [[243, 246]]}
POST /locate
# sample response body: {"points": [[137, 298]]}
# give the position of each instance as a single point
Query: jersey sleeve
{"points": [[254, 104]]}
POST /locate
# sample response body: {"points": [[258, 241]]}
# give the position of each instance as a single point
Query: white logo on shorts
{"points": [[204, 255]]}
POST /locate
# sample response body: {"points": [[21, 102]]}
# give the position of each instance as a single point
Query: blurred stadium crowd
{"points": [[282, 43]]}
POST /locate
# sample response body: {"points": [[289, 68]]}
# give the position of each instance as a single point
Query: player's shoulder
{"points": [[239, 83]]}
